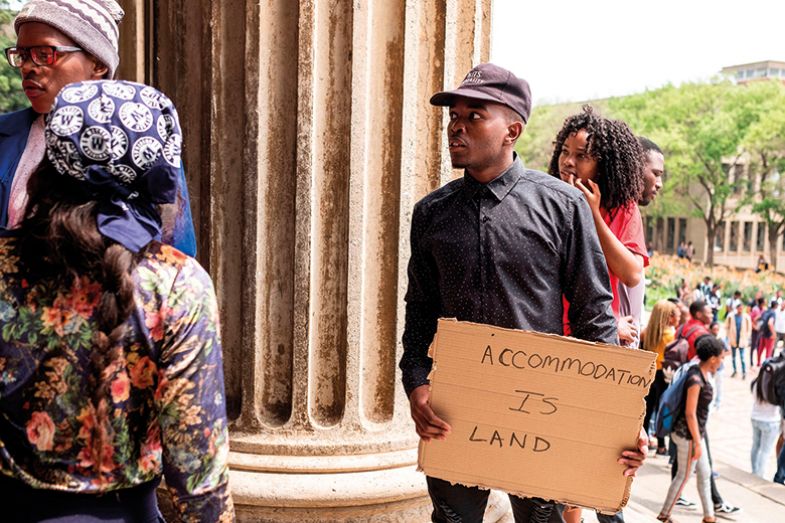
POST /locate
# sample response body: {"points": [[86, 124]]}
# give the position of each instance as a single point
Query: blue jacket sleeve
{"points": [[178, 229]]}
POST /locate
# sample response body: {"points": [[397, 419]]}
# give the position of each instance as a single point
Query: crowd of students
{"points": [[694, 318]]}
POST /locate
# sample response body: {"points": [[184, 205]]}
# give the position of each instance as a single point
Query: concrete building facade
{"points": [[740, 239], [308, 139], [749, 72]]}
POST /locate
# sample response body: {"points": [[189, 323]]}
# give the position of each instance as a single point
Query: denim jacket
{"points": [[14, 130]]}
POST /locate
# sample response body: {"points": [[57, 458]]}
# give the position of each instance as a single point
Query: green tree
{"points": [[701, 131], [11, 95], [764, 144]]}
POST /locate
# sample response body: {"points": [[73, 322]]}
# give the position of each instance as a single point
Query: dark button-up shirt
{"points": [[503, 254]]}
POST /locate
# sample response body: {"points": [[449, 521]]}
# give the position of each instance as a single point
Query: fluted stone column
{"points": [[308, 139]]}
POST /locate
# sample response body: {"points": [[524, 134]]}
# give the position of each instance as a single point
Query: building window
{"points": [[747, 237], [738, 178], [671, 237], [649, 227], [760, 243], [733, 242], [719, 237], [682, 230]]}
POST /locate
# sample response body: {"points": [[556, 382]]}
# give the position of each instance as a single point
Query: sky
{"points": [[575, 50]]}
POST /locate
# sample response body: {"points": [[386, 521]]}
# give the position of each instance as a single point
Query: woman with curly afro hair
{"points": [[604, 160]]}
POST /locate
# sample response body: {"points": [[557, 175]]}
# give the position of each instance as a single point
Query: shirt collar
{"points": [[500, 186]]}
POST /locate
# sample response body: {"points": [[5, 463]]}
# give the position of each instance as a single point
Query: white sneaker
{"points": [[726, 511]]}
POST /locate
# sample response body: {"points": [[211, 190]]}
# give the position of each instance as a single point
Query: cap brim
{"points": [[445, 98]]}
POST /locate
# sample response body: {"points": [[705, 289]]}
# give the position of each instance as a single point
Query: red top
{"points": [[700, 331], [626, 224], [755, 314]]}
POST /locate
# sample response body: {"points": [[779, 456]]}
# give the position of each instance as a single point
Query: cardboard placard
{"points": [[536, 415]]}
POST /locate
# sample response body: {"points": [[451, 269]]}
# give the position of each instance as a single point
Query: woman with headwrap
{"points": [[110, 356]]}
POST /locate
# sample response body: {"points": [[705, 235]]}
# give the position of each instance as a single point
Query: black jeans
{"points": [[653, 402], [461, 504], [27, 505], [779, 476]]}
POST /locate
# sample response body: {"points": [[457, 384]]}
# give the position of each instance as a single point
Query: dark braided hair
{"points": [[619, 156], [59, 240]]}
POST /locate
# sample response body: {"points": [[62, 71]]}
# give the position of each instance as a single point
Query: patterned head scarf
{"points": [[123, 140]]}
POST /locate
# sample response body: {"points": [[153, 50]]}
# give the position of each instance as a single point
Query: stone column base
{"points": [[398, 494]]}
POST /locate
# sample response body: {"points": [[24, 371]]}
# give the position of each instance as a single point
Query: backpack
{"points": [[675, 353], [772, 376], [672, 402], [763, 323]]}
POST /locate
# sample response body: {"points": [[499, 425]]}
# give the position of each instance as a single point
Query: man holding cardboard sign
{"points": [[500, 246]]}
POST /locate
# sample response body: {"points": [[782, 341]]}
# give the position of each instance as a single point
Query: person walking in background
{"points": [[57, 43], [112, 366], [683, 292], [738, 328], [766, 334], [690, 429], [694, 330], [714, 300], [730, 303], [755, 313], [659, 332], [696, 326], [698, 294], [689, 251], [779, 324], [705, 288], [684, 313], [766, 419], [762, 264], [717, 377]]}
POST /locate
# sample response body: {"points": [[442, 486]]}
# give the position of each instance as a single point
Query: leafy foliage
{"points": [[709, 132], [765, 148], [11, 95], [700, 129], [665, 273]]}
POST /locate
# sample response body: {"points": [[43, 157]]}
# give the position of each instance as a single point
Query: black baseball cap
{"points": [[495, 84]]}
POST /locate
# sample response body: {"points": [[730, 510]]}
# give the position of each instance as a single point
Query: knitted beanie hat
{"points": [[92, 24]]}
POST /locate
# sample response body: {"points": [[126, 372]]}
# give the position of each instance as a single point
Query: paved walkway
{"points": [[730, 433]]}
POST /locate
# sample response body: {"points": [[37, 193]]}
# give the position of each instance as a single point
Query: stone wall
{"points": [[308, 139]]}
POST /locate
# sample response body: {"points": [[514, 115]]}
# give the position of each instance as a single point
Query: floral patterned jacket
{"points": [[167, 405]]}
